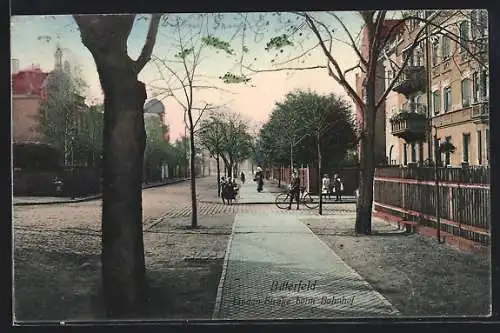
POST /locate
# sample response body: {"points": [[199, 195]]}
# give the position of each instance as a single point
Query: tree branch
{"points": [[340, 78], [283, 69], [353, 43], [147, 49]]}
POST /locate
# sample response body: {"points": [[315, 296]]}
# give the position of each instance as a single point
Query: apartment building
{"points": [[380, 127], [446, 81]]}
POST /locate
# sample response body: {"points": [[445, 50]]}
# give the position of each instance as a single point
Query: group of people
{"points": [[229, 189], [332, 186]]}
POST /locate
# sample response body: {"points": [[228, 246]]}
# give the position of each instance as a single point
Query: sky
{"points": [[34, 39]]}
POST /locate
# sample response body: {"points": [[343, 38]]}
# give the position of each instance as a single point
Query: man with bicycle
{"points": [[294, 189]]}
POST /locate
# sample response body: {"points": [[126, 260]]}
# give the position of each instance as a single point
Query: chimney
{"points": [[15, 65]]}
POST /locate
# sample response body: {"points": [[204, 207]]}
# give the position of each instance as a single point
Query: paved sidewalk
{"points": [[249, 194], [275, 267], [42, 200]]}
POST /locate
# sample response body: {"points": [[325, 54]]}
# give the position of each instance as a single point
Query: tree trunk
{"points": [[230, 170], [279, 180], [194, 203], [218, 176], [367, 170], [123, 267]]}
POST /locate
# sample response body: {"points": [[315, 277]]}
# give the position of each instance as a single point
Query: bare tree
{"points": [[184, 83]]}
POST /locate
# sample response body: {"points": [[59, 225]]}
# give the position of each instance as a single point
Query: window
{"points": [[413, 153], [435, 53], [487, 144], [464, 35], [475, 87], [417, 100], [445, 47], [447, 99], [436, 151], [485, 84], [436, 102], [421, 152], [474, 23], [466, 143], [447, 154], [405, 154], [478, 23], [419, 57], [411, 57], [479, 148], [465, 89]]}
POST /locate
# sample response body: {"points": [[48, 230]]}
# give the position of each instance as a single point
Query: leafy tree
{"points": [[123, 266], [210, 136], [181, 149], [226, 136], [237, 142], [89, 137], [61, 112], [318, 121], [157, 150], [190, 45]]}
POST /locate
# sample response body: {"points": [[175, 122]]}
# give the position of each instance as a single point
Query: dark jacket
{"points": [[295, 184]]}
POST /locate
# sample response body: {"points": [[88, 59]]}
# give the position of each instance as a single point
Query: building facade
{"points": [[30, 88], [27, 93], [443, 91], [380, 126]]}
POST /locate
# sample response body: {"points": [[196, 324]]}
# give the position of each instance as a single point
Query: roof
{"points": [[28, 82]]}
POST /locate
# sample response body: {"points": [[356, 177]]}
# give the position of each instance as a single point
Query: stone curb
{"points": [[273, 202], [218, 298], [89, 198]]}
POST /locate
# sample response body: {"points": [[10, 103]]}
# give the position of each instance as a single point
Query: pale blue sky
{"points": [[254, 100]]}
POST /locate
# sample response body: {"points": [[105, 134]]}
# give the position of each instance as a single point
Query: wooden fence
{"points": [[309, 178], [464, 198]]}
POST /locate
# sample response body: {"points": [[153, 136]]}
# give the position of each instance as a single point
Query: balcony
{"points": [[410, 123], [411, 80], [480, 112]]}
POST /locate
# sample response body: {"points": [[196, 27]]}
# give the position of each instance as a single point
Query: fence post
{"points": [[436, 171]]}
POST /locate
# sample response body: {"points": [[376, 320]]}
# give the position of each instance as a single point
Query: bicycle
{"points": [[282, 200]]}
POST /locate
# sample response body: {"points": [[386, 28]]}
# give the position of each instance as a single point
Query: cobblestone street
{"points": [[57, 260]]}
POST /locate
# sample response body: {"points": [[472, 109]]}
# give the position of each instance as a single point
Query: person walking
{"points": [[242, 177], [259, 178], [326, 186], [294, 189], [338, 187]]}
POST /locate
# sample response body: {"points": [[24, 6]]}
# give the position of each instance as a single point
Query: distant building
{"points": [[27, 93], [29, 89]]}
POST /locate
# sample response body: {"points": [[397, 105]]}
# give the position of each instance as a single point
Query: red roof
{"points": [[28, 82]]}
